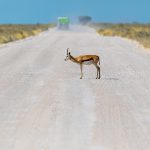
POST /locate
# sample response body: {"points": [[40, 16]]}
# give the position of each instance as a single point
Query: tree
{"points": [[84, 19]]}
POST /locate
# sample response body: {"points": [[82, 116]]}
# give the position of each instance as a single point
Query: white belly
{"points": [[88, 62]]}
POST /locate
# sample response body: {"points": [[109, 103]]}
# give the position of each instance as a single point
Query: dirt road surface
{"points": [[45, 106]]}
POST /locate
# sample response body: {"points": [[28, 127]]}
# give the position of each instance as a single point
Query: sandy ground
{"points": [[45, 106]]}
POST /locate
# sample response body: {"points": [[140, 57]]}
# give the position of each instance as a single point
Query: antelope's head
{"points": [[68, 55]]}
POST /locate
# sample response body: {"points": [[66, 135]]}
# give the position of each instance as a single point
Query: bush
{"points": [[10, 32], [138, 32]]}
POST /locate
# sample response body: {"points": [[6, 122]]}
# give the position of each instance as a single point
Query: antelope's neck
{"points": [[73, 59]]}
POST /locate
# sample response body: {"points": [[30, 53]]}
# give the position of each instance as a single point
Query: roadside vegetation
{"points": [[135, 31], [11, 32]]}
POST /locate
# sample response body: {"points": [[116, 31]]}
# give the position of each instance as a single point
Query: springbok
{"points": [[85, 60]]}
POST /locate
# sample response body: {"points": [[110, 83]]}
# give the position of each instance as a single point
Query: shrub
{"points": [[138, 32], [9, 32]]}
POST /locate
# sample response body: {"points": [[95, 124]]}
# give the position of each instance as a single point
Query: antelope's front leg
{"points": [[81, 71]]}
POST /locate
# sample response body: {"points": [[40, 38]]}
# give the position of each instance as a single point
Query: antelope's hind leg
{"points": [[97, 69], [99, 72]]}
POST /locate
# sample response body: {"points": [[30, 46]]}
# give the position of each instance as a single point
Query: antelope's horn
{"points": [[67, 50]]}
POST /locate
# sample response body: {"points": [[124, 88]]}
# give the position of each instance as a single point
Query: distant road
{"points": [[45, 106]]}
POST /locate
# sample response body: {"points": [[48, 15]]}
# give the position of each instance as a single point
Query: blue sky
{"points": [[44, 11]]}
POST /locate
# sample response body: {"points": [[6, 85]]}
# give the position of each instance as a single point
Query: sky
{"points": [[45, 11]]}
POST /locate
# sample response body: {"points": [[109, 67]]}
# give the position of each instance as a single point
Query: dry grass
{"points": [[138, 32], [9, 32]]}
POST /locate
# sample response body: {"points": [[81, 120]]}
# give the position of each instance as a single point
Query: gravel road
{"points": [[45, 106]]}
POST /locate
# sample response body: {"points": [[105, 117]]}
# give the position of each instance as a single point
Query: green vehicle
{"points": [[63, 23]]}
